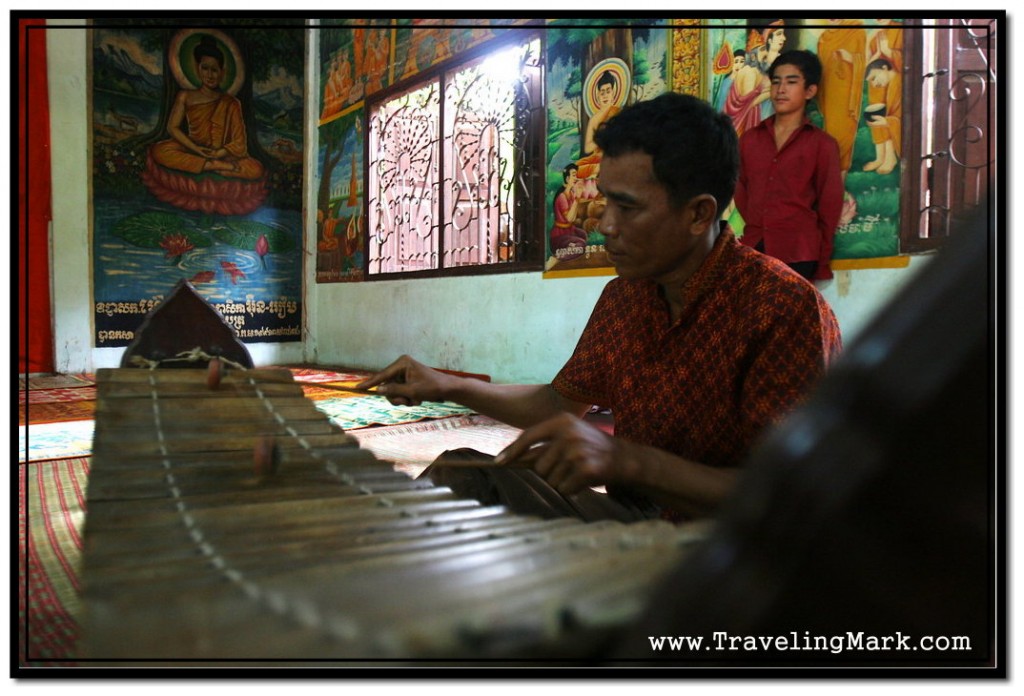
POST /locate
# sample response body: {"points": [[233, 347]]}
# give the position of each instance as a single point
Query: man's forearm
{"points": [[690, 488], [519, 405]]}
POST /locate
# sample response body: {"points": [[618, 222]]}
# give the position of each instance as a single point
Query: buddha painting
{"points": [[205, 164], [605, 92]]}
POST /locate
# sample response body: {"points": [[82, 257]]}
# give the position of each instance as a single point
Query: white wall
{"points": [[71, 250], [516, 328]]}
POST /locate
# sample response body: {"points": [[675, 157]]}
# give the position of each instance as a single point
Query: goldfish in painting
{"points": [[234, 271], [202, 277]]}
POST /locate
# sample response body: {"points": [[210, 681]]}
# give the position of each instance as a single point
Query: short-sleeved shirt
{"points": [[752, 339]]}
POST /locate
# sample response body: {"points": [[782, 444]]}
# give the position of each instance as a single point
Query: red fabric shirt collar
{"points": [[706, 278]]}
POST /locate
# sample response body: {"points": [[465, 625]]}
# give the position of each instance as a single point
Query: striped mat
{"points": [[51, 514], [56, 398], [63, 381]]}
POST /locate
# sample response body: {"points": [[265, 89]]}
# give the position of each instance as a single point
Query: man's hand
{"points": [[406, 382], [569, 454]]}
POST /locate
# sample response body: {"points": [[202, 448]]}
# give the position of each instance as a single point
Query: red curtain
{"points": [[35, 323]]}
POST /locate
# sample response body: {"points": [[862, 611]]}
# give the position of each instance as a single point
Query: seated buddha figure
{"points": [[590, 164], [208, 135]]}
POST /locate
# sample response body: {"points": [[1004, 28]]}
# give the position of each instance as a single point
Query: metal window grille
{"points": [[951, 153], [453, 162]]}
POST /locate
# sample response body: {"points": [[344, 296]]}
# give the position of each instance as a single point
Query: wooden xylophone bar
{"points": [[193, 551]]}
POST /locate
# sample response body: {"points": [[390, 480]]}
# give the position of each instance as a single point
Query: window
{"points": [[951, 149], [454, 168]]}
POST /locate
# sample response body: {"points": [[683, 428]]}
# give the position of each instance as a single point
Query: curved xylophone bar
{"points": [[234, 521]]}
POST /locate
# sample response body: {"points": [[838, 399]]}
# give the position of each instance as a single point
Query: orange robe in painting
{"points": [[891, 94], [590, 165], [171, 168], [216, 124], [893, 36], [842, 84]]}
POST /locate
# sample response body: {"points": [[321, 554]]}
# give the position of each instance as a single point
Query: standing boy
{"points": [[790, 191]]}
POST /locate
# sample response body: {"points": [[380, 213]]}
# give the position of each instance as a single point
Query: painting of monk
{"points": [[842, 49], [197, 173], [593, 72], [215, 137], [207, 133]]}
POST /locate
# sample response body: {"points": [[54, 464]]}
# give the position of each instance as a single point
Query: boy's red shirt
{"points": [[790, 198]]}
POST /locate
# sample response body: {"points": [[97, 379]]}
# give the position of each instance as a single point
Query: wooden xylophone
{"points": [[200, 547]]}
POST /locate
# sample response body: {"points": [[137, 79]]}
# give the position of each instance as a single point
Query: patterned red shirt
{"points": [[791, 197], [751, 341]]}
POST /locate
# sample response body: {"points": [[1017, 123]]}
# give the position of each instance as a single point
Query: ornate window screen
{"points": [[951, 148], [404, 190], [451, 172]]}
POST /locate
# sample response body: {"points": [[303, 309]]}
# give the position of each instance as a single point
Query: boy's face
{"points": [[789, 91]]}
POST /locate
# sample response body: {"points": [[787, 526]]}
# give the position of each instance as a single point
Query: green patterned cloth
{"points": [[354, 412]]}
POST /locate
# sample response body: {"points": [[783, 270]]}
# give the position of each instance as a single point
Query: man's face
{"points": [[605, 94], [645, 236], [789, 91]]}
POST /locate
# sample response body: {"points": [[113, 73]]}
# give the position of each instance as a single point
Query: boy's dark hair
{"points": [[806, 62], [693, 148]]}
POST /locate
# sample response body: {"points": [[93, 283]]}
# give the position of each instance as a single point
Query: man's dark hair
{"points": [[693, 148], [806, 62]]}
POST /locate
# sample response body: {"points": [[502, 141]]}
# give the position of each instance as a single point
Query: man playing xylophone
{"points": [[697, 346]]}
